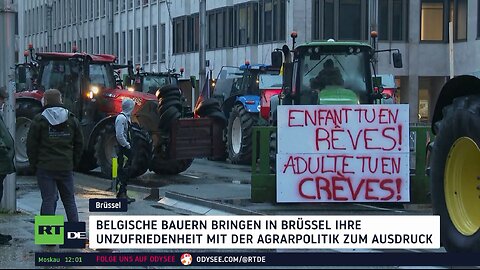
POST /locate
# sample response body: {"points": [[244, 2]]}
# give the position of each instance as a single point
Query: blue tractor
{"points": [[238, 89]]}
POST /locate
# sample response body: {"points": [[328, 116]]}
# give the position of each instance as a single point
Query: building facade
{"points": [[165, 34]]}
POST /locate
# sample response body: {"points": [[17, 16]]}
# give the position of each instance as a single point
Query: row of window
{"points": [[67, 12], [243, 24], [146, 41]]}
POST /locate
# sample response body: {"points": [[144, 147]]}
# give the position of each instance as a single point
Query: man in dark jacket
{"points": [[54, 148], [6, 156]]}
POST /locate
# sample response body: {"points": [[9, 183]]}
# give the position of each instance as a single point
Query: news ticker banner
{"points": [[257, 259], [264, 232]]}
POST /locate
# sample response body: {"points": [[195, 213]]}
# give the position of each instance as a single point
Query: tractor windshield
{"points": [[151, 82], [61, 74], [270, 81], [229, 82], [318, 71], [102, 75]]}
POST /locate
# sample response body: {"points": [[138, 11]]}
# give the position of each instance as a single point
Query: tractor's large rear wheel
{"points": [[25, 112], [455, 175], [105, 150], [239, 135]]}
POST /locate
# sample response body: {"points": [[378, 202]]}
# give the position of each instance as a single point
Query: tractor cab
{"points": [[330, 73]]}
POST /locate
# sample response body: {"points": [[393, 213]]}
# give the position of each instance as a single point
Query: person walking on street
{"points": [[6, 156], [124, 151], [54, 149]]}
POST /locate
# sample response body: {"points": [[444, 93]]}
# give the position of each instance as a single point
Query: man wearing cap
{"points": [[54, 149], [6, 156], [124, 152]]}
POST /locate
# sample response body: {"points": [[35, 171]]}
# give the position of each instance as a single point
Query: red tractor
{"points": [[91, 92]]}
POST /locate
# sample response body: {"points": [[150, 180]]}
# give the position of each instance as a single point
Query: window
{"points": [[350, 20], [212, 31], [220, 20], [137, 46], [102, 7], [122, 47], [115, 5], [154, 40], [392, 20], [79, 9], [67, 12], [435, 18], [80, 48], [115, 46], [246, 24], [432, 23], [162, 42], [91, 8], [122, 5], [145, 45], [460, 18], [272, 20], [97, 45], [478, 20], [130, 4], [85, 11], [340, 19], [90, 46], [95, 7], [178, 39], [104, 45], [130, 46]]}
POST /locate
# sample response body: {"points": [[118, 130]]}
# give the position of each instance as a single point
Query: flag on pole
{"points": [[205, 94]]}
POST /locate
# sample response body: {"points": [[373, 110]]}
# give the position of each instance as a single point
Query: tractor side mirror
{"points": [[22, 74], [397, 60], [277, 59]]}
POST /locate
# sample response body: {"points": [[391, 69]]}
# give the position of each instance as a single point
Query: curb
{"points": [[106, 184], [203, 206]]}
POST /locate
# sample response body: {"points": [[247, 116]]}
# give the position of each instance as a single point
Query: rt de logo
{"points": [[186, 259], [52, 230]]}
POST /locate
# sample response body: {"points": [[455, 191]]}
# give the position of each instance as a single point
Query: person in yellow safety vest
{"points": [[124, 149]]}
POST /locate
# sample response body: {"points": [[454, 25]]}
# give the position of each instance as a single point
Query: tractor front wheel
{"points": [[455, 175], [105, 150], [239, 135], [25, 112]]}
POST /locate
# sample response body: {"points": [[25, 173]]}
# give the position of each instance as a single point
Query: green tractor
{"points": [[455, 164], [326, 73]]}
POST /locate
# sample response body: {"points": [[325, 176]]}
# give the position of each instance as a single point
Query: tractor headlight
{"points": [[94, 90]]}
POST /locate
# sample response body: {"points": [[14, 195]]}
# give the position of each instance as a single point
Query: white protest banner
{"points": [[339, 153]]}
